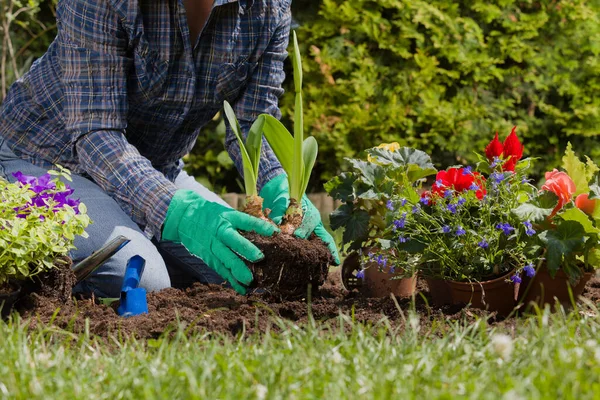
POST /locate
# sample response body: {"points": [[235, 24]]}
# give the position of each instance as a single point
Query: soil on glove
{"points": [[290, 264], [216, 309]]}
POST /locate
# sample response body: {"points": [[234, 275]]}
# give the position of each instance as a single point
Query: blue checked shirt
{"points": [[122, 93]]}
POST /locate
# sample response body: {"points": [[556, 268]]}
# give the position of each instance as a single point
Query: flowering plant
{"points": [[565, 211], [464, 228], [367, 188], [38, 223]]}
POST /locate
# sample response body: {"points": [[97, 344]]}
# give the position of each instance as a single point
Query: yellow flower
{"points": [[386, 146]]}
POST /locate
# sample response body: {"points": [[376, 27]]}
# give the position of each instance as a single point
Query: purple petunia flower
{"points": [[390, 205], [529, 270], [446, 229], [483, 244], [360, 274], [515, 279], [529, 231], [452, 208], [460, 231], [505, 227]]}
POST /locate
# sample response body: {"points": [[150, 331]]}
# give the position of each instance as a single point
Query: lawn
{"points": [[542, 356]]}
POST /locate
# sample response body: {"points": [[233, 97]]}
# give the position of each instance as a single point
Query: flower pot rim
{"points": [[491, 281]]}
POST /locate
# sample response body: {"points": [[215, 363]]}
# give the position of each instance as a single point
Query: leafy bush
{"points": [[443, 75], [38, 223]]}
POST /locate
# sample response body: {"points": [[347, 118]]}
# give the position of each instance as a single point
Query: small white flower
{"points": [[336, 357], [261, 391], [503, 345]]}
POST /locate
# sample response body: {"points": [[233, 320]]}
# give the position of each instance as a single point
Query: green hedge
{"points": [[443, 76]]}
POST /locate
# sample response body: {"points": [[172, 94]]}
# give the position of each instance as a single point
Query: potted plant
{"points": [[38, 224], [290, 263], [461, 234], [565, 211], [366, 192]]}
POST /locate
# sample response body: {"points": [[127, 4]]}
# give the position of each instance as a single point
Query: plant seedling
{"points": [[296, 154]]}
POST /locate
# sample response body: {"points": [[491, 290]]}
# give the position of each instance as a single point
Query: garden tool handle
{"points": [[84, 268]]}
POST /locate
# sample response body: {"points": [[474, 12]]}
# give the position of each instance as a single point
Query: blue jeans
{"points": [[164, 260]]}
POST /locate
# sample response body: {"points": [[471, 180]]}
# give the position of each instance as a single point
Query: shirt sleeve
{"points": [[95, 63], [261, 96]]}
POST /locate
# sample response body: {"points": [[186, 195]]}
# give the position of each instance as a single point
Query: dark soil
{"points": [[216, 309], [290, 264]]}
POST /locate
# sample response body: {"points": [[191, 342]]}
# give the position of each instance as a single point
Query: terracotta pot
{"points": [[440, 292], [493, 295], [375, 283], [543, 289], [8, 299]]}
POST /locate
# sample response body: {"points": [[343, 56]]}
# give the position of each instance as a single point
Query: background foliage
{"points": [[438, 75]]}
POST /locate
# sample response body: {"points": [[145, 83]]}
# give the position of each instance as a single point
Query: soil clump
{"points": [[293, 264]]}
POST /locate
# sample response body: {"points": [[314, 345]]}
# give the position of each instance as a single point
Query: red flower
{"points": [[511, 150], [460, 180], [560, 184], [494, 149]]}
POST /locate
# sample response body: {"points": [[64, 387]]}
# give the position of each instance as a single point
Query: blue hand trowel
{"points": [[133, 298]]}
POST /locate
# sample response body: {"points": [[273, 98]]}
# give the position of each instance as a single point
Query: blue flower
{"points": [[403, 202], [446, 229], [402, 239], [468, 170], [496, 161], [483, 244], [392, 270], [515, 279], [416, 209], [390, 205], [474, 187], [452, 208], [360, 274], [399, 223], [497, 177], [461, 201], [525, 180], [425, 200], [439, 183], [505, 227], [460, 231], [529, 231], [529, 270], [447, 193]]}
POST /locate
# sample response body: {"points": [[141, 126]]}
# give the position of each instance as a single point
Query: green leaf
{"points": [[297, 65], [575, 214], [531, 212], [355, 223], [416, 163], [310, 150], [280, 140], [578, 171], [254, 142], [594, 185], [567, 238], [342, 187], [250, 178]]}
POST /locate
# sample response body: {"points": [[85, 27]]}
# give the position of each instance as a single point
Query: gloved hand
{"points": [[276, 197], [210, 231]]}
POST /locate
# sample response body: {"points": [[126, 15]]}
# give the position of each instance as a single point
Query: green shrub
{"points": [[442, 75]]}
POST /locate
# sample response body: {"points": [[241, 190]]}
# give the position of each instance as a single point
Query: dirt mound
{"points": [[213, 308]]}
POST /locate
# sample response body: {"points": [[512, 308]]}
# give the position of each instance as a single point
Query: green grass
{"points": [[553, 356]]}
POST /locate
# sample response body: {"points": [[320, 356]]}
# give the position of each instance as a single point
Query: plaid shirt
{"points": [[122, 93]]}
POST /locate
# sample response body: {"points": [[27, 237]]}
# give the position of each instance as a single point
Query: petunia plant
{"points": [[566, 213], [39, 221], [463, 228]]}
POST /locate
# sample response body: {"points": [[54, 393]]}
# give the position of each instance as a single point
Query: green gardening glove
{"points": [[276, 197], [210, 231]]}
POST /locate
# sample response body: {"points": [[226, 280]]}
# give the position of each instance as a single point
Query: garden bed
{"points": [[216, 309]]}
